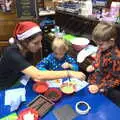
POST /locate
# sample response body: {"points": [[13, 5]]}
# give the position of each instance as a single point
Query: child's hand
{"points": [[66, 65], [93, 89], [94, 55], [90, 68]]}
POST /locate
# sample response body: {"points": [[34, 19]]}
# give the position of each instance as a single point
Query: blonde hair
{"points": [[60, 43], [104, 32]]}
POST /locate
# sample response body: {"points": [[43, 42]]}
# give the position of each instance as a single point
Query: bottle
{"points": [[114, 10], [57, 29], [86, 7], [89, 6]]}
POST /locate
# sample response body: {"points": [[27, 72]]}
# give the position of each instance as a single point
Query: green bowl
{"points": [[69, 37]]}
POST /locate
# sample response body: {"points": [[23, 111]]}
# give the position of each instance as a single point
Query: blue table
{"points": [[102, 108]]}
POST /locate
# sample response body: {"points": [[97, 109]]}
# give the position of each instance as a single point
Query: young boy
{"points": [[59, 59], [106, 77]]}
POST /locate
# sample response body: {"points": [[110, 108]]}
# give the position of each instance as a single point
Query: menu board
{"points": [[26, 8]]}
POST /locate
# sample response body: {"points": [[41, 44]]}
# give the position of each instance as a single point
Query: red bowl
{"points": [[40, 87], [26, 111], [53, 94]]}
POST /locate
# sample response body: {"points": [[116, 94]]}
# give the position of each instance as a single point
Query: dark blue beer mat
{"points": [[65, 113]]}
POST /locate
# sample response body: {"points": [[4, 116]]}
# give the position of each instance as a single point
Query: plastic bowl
{"points": [[79, 43], [40, 87], [68, 88], [28, 111]]}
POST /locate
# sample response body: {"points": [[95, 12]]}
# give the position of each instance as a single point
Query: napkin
{"points": [[14, 97]]}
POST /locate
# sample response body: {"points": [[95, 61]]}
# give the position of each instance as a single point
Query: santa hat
{"points": [[24, 30]]}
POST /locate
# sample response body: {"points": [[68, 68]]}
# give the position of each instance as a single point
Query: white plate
{"points": [[80, 41]]}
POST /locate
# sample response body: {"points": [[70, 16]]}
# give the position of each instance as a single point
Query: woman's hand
{"points": [[66, 65], [93, 89], [36, 80], [41, 76], [78, 75], [90, 68]]}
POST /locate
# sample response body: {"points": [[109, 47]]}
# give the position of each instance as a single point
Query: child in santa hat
{"points": [[15, 61]]}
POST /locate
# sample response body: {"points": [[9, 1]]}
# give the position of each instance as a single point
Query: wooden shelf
{"points": [[3, 43], [76, 24]]}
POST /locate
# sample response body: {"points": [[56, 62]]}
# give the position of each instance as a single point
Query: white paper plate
{"points": [[80, 41]]}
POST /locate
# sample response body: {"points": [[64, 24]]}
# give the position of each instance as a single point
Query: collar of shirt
{"points": [[62, 59]]}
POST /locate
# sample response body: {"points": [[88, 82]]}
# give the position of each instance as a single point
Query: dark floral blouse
{"points": [[107, 73]]}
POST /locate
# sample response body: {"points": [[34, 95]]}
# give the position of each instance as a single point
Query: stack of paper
{"points": [[79, 85], [55, 83]]}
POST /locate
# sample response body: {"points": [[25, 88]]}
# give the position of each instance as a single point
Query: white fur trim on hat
{"points": [[29, 33], [11, 40]]}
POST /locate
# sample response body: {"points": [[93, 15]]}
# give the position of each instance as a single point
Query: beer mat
{"points": [[41, 104], [65, 113], [53, 94]]}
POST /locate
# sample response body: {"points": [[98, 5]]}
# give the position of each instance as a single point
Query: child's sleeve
{"points": [[44, 64], [73, 62], [110, 78]]}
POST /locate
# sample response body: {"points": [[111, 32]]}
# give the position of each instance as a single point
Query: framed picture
{"points": [[26, 8], [7, 5]]}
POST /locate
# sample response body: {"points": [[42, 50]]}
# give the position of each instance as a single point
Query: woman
{"points": [[15, 61]]}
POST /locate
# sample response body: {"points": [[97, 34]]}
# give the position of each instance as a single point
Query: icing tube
{"points": [[82, 112]]}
